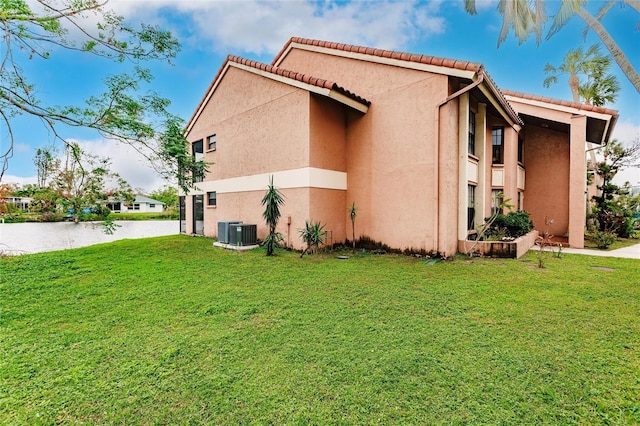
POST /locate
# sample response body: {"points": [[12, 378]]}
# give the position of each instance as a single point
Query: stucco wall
{"points": [[259, 125], [391, 150], [547, 169], [327, 134]]}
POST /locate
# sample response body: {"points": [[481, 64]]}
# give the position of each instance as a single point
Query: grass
{"points": [[165, 215], [619, 243], [173, 331]]}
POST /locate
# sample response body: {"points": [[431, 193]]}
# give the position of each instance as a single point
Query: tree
{"points": [[609, 214], [272, 201], [527, 17], [32, 31], [173, 151], [599, 86], [168, 195], [46, 163]]}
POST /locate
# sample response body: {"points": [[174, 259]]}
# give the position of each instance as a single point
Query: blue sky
{"points": [[210, 30]]}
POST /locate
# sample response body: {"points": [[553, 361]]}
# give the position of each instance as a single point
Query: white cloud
{"points": [[19, 180], [263, 27], [627, 132], [125, 161]]}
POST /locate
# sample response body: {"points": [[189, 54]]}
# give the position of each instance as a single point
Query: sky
{"points": [[210, 30]]}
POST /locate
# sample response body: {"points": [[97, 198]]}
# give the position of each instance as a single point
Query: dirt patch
{"points": [[603, 268]]}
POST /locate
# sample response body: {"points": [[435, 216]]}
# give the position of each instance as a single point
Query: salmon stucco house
{"points": [[420, 144]]}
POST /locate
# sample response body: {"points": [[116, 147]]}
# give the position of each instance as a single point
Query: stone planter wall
{"points": [[507, 249]]}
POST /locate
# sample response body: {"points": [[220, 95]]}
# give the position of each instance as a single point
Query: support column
{"points": [[511, 165], [577, 180], [481, 149], [463, 146]]}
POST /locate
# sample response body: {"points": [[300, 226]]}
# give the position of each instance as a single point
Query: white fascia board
{"points": [[306, 177], [562, 108], [498, 105], [381, 60], [333, 94]]}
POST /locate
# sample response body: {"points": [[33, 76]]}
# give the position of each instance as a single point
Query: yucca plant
{"points": [[313, 234], [353, 213], [272, 201]]}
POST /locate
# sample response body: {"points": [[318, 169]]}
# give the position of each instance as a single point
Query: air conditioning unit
{"points": [[243, 234], [224, 229]]}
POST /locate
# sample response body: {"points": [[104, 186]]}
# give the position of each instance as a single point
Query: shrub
{"points": [[604, 239], [513, 224], [313, 234]]}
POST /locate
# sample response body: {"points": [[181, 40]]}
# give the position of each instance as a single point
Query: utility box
{"points": [[243, 234], [224, 229]]}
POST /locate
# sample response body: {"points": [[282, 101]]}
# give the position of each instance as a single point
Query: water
{"points": [[24, 238]]}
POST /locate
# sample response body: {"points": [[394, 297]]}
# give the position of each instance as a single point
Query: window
{"points": [[211, 143], [471, 210], [497, 198], [211, 198], [472, 133], [196, 151], [152, 206], [136, 206], [520, 150], [520, 200], [497, 142]]}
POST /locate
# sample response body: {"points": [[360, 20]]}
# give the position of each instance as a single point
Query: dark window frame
{"points": [[197, 147], [211, 142], [471, 207], [497, 145], [472, 133], [210, 199]]}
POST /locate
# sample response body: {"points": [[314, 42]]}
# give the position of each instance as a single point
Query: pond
{"points": [[25, 238]]}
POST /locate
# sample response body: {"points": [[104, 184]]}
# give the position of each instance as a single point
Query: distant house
{"points": [[141, 204], [21, 203], [424, 146]]}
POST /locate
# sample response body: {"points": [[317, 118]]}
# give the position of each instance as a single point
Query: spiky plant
{"points": [[313, 234], [353, 213], [272, 201]]}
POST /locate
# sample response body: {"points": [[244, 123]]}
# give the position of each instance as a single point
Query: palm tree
{"points": [[599, 88], [526, 17], [272, 201]]}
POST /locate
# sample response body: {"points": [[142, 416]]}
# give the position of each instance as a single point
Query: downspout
{"points": [[449, 98]]}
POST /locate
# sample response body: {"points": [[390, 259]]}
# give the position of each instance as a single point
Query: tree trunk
{"points": [[617, 54], [574, 84]]}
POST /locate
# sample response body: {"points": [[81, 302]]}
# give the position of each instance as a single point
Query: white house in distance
{"points": [[141, 204]]}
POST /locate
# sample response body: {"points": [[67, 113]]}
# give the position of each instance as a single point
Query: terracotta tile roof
{"points": [[304, 78], [560, 102], [411, 57], [503, 101]]}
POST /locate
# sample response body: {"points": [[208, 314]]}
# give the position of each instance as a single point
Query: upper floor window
{"points": [[211, 143], [520, 150], [198, 154], [472, 133], [497, 144]]}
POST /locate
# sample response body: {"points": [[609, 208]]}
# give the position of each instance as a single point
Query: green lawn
{"points": [[174, 331]]}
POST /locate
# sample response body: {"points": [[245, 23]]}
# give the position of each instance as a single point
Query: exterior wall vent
{"points": [[224, 229], [243, 234]]}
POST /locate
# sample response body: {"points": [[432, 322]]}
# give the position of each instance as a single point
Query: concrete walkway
{"points": [[631, 252]]}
